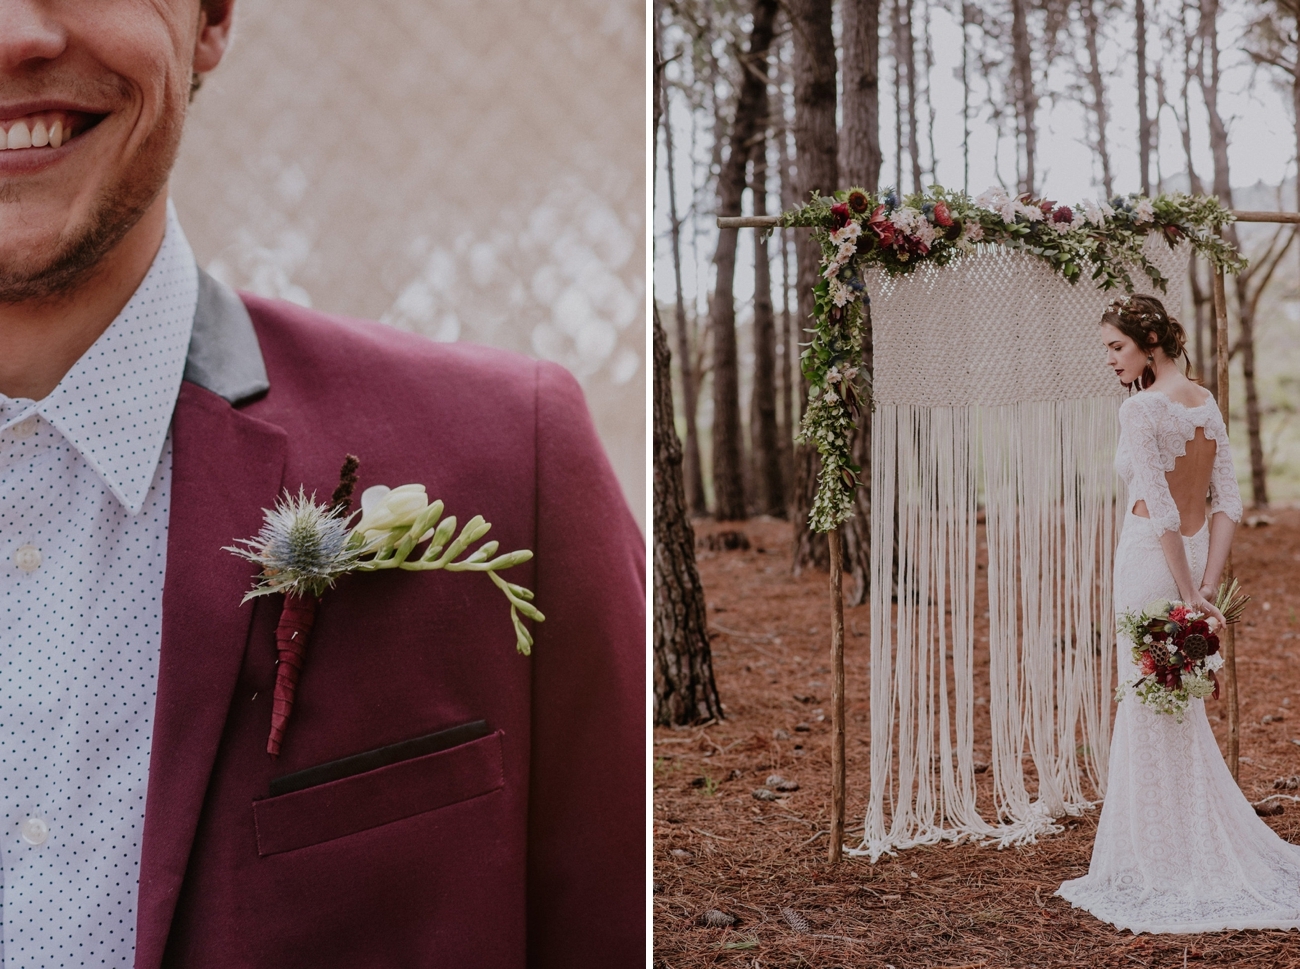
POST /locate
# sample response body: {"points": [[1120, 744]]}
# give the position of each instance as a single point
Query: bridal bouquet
{"points": [[1176, 650]]}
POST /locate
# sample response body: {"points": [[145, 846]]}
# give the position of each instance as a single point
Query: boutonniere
{"points": [[305, 545]]}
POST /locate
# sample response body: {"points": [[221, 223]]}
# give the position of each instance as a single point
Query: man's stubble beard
{"points": [[116, 211]]}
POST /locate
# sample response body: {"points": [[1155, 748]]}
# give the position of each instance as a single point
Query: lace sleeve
{"points": [[1147, 481], [1224, 494]]}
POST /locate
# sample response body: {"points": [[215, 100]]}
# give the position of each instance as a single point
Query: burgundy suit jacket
{"points": [[524, 847]]}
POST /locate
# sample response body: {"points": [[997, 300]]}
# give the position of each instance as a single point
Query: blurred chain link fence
{"points": [[466, 170]]}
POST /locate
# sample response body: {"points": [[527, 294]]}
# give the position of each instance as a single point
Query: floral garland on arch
{"points": [[858, 230]]}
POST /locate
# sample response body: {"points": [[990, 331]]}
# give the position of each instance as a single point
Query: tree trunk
{"points": [[861, 142], [1246, 338], [765, 445], [1023, 87], [815, 146], [896, 34], [1098, 85], [1247, 283], [1144, 117], [1295, 100], [789, 353], [694, 476], [860, 138], [965, 96], [685, 691], [728, 465], [909, 63]]}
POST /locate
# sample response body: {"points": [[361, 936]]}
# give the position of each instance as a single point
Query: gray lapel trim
{"points": [[224, 356]]}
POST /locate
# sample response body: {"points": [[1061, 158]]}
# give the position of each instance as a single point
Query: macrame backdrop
{"points": [[991, 389]]}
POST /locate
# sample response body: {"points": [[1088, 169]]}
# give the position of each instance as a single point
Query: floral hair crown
{"points": [[1125, 307]]}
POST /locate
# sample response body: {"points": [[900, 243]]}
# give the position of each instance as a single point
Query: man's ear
{"points": [[213, 36]]}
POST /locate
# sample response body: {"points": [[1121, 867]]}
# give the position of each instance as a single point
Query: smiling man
{"points": [[439, 800]]}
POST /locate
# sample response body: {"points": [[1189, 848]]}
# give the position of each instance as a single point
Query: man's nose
{"points": [[29, 32]]}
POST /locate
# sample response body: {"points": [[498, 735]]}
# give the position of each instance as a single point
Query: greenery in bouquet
{"points": [[1176, 652], [860, 230], [1230, 601]]}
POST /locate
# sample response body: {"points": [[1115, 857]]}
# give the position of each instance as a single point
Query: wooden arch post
{"points": [[1221, 353]]}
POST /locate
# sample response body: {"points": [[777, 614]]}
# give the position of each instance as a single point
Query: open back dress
{"points": [[1179, 848]]}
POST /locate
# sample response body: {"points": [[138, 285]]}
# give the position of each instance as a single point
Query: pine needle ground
{"points": [[763, 863]]}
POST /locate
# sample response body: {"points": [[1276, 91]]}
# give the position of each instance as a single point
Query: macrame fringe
{"points": [[1043, 473]]}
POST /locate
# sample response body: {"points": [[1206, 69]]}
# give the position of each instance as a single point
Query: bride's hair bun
{"points": [[1143, 320]]}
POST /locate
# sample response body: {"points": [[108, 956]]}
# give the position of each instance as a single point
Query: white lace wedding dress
{"points": [[1179, 848]]}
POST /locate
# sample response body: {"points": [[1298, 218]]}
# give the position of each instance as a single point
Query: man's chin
{"points": [[52, 268]]}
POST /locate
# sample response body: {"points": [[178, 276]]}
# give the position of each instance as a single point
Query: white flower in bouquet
{"points": [[1144, 211], [1031, 212], [925, 231], [846, 233], [907, 219], [1097, 212]]}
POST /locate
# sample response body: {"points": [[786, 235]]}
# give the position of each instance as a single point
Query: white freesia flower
{"points": [[1214, 662], [1144, 211], [383, 508]]}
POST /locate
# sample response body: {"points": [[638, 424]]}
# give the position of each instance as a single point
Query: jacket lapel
{"points": [[226, 467]]}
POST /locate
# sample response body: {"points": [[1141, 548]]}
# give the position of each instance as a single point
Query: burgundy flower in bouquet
{"points": [[1176, 651], [885, 230], [840, 211]]}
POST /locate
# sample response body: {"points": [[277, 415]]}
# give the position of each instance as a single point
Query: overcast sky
{"points": [[1260, 125]]}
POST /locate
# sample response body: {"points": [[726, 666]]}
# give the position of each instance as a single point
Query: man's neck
{"points": [[40, 341]]}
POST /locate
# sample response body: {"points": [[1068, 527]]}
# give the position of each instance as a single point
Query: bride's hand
{"points": [[1202, 604]]}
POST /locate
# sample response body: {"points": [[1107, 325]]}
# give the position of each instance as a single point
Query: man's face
{"points": [[104, 85]]}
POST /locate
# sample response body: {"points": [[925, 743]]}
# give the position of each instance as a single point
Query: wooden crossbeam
{"points": [[769, 221]]}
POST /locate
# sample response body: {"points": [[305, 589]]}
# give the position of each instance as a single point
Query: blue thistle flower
{"points": [[302, 547]]}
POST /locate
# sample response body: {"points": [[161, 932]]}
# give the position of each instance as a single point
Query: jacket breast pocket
{"points": [[371, 798]]}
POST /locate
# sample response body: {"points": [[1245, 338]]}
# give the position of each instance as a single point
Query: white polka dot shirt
{"points": [[85, 493]]}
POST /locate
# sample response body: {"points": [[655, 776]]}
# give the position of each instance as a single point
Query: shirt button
{"points": [[24, 428], [27, 558], [35, 831]]}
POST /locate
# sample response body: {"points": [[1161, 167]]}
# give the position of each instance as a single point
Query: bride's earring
{"points": [[1148, 373]]}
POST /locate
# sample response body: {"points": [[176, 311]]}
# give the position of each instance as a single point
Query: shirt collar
{"points": [[115, 404]]}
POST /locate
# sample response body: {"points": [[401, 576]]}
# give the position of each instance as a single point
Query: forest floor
{"points": [[717, 847]]}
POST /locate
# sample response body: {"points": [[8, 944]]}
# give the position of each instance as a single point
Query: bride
{"points": [[1179, 848]]}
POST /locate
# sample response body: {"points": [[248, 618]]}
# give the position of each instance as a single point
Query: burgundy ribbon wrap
{"points": [[291, 634]]}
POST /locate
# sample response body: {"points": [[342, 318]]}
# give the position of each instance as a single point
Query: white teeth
{"points": [[40, 136], [56, 134], [20, 135]]}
